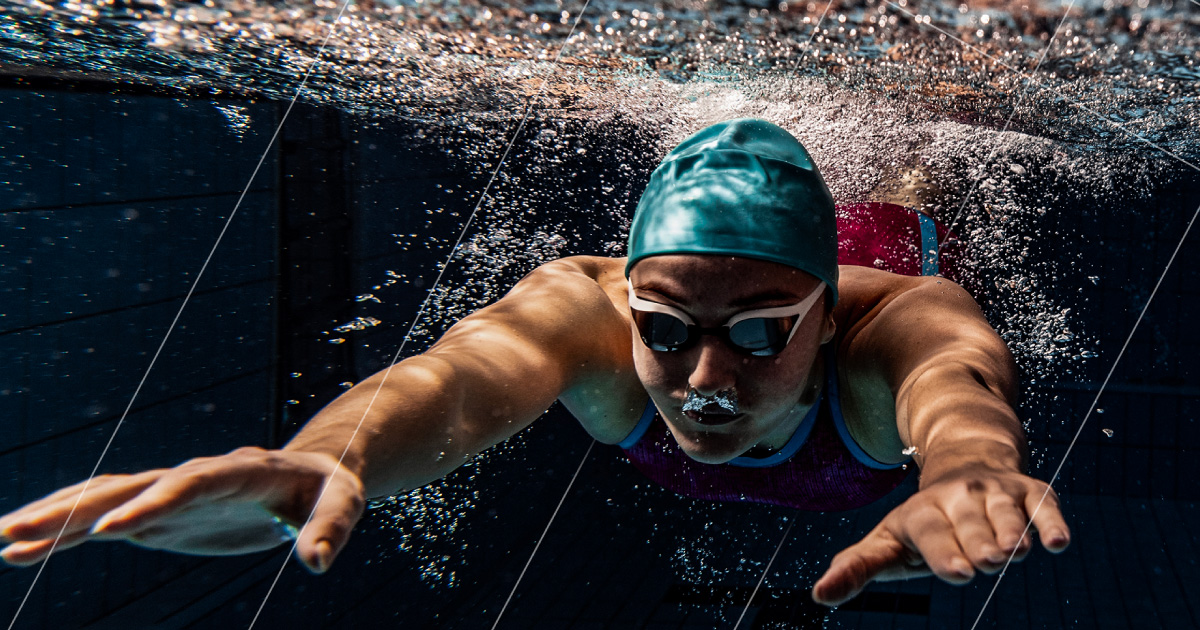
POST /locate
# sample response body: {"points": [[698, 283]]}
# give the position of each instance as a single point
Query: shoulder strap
{"points": [[643, 424]]}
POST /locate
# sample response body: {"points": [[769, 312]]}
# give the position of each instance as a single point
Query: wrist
{"points": [[945, 460], [345, 459]]}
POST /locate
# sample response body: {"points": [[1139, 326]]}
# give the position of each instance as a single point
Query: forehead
{"points": [[720, 279]]}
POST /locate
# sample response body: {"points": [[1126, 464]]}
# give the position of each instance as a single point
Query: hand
{"points": [[972, 520], [208, 506]]}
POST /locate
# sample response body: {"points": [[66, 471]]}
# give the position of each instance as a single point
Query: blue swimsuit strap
{"points": [[793, 444], [643, 424], [929, 245]]}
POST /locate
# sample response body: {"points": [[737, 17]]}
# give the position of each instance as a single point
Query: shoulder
{"points": [[552, 303], [890, 325], [570, 294], [579, 275], [585, 298], [862, 287], [867, 295]]}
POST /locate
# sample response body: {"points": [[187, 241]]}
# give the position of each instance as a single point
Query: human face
{"points": [[713, 290]]}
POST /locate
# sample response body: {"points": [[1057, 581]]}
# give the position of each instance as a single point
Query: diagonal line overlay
{"points": [[187, 298], [813, 34], [1011, 115], [1141, 315], [543, 536], [1043, 87], [424, 306], [1091, 408], [766, 570]]}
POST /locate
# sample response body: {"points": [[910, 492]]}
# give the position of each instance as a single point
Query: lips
{"points": [[712, 415]]}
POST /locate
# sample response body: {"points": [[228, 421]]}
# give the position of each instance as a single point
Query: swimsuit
{"points": [[821, 467]]}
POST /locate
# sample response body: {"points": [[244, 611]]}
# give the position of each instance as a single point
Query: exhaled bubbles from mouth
{"points": [[726, 399]]}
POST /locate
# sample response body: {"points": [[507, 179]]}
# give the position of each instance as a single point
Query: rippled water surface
{"points": [[1115, 73]]}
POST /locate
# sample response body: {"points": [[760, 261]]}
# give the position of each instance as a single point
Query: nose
{"points": [[716, 367]]}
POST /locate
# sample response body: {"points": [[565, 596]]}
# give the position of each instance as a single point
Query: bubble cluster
{"points": [[422, 522]]}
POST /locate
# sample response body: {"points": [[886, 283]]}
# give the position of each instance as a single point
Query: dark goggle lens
{"points": [[661, 331], [762, 336], [759, 336]]}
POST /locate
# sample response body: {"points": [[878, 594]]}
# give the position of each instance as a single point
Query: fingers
{"points": [[934, 537], [209, 506], [45, 518], [170, 493], [977, 536], [25, 553], [1010, 524], [951, 530], [855, 567], [881, 555], [332, 522], [251, 473], [1048, 519], [999, 532], [916, 539]]}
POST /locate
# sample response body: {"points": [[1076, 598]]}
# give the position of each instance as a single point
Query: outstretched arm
{"points": [[954, 383], [488, 377]]}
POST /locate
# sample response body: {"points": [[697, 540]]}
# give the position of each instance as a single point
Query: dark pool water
{"points": [[487, 137]]}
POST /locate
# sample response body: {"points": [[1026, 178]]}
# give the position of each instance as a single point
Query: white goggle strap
{"points": [[654, 307], [800, 309]]}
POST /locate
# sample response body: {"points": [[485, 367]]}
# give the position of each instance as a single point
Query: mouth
{"points": [[712, 415]]}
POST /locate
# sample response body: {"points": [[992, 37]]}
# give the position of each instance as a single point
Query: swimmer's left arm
{"points": [[954, 382]]}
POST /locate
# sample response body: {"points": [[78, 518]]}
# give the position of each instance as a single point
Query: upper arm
{"points": [[512, 359], [932, 346]]}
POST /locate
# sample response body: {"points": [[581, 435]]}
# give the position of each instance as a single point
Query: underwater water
{"points": [[484, 138]]}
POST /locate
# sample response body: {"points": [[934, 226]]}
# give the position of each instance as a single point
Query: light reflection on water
{"points": [[1135, 66]]}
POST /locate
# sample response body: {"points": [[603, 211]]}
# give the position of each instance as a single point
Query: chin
{"points": [[708, 457], [708, 448]]}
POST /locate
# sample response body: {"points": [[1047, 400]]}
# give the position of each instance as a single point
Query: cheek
{"points": [[658, 370]]}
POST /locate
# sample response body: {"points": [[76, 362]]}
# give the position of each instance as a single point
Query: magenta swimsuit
{"points": [[821, 467]]}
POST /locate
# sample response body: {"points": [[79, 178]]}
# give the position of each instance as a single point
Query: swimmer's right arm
{"points": [[491, 375]]}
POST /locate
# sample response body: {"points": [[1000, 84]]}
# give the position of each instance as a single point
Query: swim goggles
{"points": [[761, 332]]}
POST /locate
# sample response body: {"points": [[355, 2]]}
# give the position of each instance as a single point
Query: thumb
{"points": [[328, 531], [876, 556]]}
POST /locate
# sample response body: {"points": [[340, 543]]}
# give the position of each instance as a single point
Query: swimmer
{"points": [[729, 356]]}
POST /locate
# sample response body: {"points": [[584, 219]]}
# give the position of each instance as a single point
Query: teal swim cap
{"points": [[742, 188]]}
